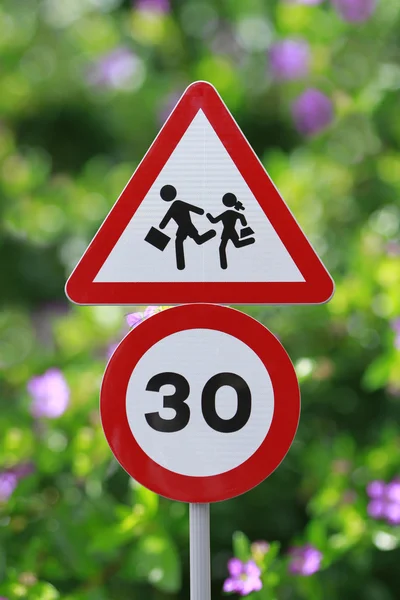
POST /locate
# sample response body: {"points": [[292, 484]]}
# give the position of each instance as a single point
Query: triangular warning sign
{"points": [[200, 221]]}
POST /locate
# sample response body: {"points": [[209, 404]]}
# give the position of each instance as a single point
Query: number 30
{"points": [[208, 397]]}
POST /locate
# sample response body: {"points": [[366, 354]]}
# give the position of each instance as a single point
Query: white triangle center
{"points": [[202, 172]]}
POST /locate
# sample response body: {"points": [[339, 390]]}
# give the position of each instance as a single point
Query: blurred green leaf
{"points": [[241, 546], [154, 559]]}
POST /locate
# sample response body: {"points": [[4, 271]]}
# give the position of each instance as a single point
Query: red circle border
{"points": [[245, 476]]}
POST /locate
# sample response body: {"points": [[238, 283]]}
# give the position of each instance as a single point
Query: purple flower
{"points": [[8, 483], [50, 394], [135, 318], [384, 501], [289, 59], [244, 577], [304, 1], [355, 11], [312, 112], [151, 310], [9, 479], [116, 69], [375, 489], [393, 491], [396, 328], [153, 6], [305, 560]]}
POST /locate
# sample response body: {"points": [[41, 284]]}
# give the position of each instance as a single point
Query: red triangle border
{"points": [[318, 286]]}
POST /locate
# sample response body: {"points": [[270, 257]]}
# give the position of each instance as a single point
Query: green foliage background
{"points": [[77, 529]]}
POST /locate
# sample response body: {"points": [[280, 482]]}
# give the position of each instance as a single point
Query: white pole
{"points": [[200, 575]]}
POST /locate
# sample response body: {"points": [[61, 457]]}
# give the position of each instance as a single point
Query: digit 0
{"points": [[208, 397]]}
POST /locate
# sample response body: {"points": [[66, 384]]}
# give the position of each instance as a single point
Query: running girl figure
{"points": [[229, 219]]}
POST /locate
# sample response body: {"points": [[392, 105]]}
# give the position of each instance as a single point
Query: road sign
{"points": [[200, 221], [200, 403]]}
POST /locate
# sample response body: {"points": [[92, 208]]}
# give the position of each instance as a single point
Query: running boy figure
{"points": [[180, 213], [229, 219]]}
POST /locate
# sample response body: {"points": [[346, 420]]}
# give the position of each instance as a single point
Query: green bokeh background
{"points": [[78, 529]]}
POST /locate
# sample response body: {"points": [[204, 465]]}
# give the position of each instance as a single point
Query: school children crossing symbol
{"points": [[180, 213], [200, 221]]}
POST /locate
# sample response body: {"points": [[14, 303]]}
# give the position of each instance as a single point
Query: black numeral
{"points": [[208, 402], [208, 398], [176, 401]]}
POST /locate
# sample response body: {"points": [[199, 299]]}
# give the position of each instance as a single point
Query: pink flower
{"points": [[9, 479], [305, 560], [312, 112], [153, 6], [115, 69], [8, 483], [244, 578], [151, 310], [355, 11], [289, 59], [311, 2], [384, 501], [135, 318], [50, 394]]}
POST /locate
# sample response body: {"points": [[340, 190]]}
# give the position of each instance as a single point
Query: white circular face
{"points": [[200, 402]]}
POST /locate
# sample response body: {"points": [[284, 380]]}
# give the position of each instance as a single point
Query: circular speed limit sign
{"points": [[200, 403]]}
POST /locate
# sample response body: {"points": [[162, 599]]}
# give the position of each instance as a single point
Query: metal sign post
{"points": [[200, 572]]}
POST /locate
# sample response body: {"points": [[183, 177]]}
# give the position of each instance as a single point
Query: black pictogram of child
{"points": [[229, 219], [180, 213]]}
